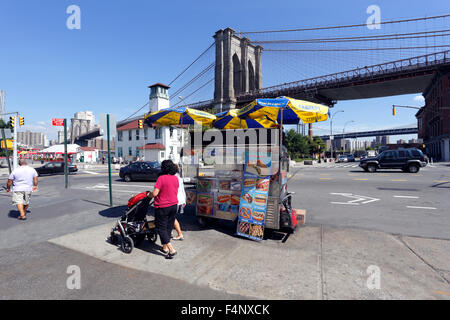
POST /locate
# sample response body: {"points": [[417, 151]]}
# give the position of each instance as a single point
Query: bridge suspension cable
{"points": [[182, 72], [412, 35], [195, 91], [195, 78], [357, 49], [346, 26]]}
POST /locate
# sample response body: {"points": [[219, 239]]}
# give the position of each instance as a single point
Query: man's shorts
{"points": [[21, 197]]}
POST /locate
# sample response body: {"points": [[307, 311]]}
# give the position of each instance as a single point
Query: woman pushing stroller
{"points": [[166, 205]]}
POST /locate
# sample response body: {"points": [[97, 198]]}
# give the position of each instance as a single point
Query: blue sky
{"points": [[50, 71]]}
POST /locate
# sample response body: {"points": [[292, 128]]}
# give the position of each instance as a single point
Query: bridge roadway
{"points": [[387, 132], [406, 76]]}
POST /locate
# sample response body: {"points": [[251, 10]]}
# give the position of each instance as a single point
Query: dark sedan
{"points": [[144, 171], [55, 168]]}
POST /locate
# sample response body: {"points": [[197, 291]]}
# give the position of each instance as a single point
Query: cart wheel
{"points": [[127, 244], [113, 238], [152, 237], [202, 221]]}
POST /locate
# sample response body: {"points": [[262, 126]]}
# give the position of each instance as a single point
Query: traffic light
{"points": [[393, 111], [12, 120], [21, 121], [141, 124]]}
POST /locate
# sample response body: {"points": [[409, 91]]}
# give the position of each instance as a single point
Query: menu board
{"points": [[205, 202], [226, 205], [254, 196]]}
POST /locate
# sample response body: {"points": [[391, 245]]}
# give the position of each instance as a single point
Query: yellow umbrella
{"points": [[179, 116], [230, 120], [285, 110]]}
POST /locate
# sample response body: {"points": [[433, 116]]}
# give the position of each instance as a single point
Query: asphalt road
{"points": [[389, 200], [35, 269]]}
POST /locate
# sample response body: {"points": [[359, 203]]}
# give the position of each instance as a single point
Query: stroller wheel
{"points": [[113, 238], [127, 244], [152, 237]]}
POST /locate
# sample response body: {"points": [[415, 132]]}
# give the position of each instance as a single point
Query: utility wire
{"points": [[346, 26]]}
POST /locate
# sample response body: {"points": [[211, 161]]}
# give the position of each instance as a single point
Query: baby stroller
{"points": [[133, 226]]}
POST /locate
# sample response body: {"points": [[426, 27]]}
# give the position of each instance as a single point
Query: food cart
{"points": [[244, 179], [245, 183]]}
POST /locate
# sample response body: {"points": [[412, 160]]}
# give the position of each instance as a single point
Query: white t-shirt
{"points": [[22, 178], [181, 195]]}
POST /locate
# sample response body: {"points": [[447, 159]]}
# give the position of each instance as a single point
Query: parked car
{"points": [[3, 163], [346, 158], [408, 160], [55, 168], [146, 171]]}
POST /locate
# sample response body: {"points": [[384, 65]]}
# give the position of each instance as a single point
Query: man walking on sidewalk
{"points": [[24, 180]]}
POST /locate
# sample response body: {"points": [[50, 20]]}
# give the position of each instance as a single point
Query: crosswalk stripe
{"points": [[91, 172]]}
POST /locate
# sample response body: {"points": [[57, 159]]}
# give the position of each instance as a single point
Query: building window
{"points": [[162, 155], [130, 135], [145, 134], [120, 136], [120, 152], [137, 134], [158, 133], [130, 151], [171, 132], [137, 151]]}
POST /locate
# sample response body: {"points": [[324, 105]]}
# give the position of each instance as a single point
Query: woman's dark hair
{"points": [[168, 167]]}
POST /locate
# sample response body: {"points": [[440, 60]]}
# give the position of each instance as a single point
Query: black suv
{"points": [[409, 160]]}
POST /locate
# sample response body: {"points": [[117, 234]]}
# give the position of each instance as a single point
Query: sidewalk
{"points": [[318, 263]]}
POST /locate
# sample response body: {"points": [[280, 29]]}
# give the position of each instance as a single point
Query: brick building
{"points": [[433, 120]]}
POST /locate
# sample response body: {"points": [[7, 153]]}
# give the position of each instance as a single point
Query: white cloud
{"points": [[419, 98]]}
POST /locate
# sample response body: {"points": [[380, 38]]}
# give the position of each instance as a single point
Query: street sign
{"points": [[8, 134], [58, 122], [112, 125]]}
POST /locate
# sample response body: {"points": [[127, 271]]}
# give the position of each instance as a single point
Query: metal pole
{"points": [[331, 137], [16, 123], [66, 168], [109, 161], [6, 150]]}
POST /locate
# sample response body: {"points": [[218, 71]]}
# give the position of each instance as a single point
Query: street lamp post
{"points": [[181, 98], [331, 131]]}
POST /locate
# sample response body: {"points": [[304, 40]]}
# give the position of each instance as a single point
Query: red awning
{"points": [[153, 146]]}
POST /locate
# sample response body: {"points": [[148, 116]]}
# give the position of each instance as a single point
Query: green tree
{"points": [[317, 145], [6, 125], [297, 144]]}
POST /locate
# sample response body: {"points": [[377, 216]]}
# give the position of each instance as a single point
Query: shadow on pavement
{"points": [[379, 171], [13, 214], [445, 185], [115, 212]]}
